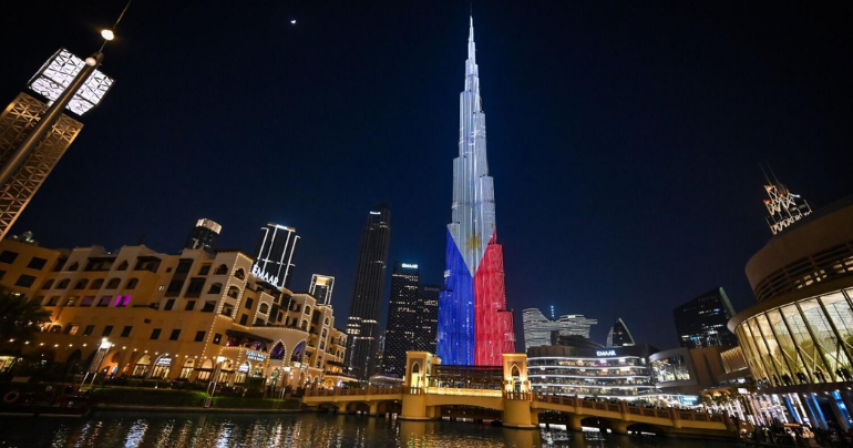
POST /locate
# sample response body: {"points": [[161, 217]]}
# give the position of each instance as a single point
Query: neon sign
{"points": [[409, 266], [605, 353]]}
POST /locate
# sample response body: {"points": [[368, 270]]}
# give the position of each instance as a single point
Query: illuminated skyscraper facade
{"points": [[619, 335], [702, 321], [427, 318], [541, 331], [321, 288], [401, 332], [363, 322], [274, 252], [205, 235], [474, 326]]}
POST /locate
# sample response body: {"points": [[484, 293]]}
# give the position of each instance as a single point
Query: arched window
{"points": [[298, 352], [416, 375], [81, 284], [233, 292], [113, 283], [308, 310], [47, 284], [131, 284], [221, 270], [143, 366], [97, 283], [122, 266], [326, 322], [264, 308], [278, 351], [241, 274], [63, 284], [215, 288]]}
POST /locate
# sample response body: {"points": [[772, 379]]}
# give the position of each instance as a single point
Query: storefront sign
{"points": [[605, 353], [255, 356]]}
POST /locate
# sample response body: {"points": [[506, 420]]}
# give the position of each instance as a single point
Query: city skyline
{"points": [[692, 243]]}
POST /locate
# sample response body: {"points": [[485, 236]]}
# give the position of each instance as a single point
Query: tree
{"points": [[19, 317]]}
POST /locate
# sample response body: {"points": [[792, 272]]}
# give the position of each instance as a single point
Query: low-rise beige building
{"points": [[174, 316]]}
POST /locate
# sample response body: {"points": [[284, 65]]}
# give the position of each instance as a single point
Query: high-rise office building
{"points": [[619, 335], [363, 322], [783, 207], [321, 288], [701, 322], [35, 133], [475, 327], [274, 251], [205, 235], [401, 331], [541, 331], [426, 338]]}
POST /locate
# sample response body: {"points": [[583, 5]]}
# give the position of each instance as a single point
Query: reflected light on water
{"points": [[298, 431]]}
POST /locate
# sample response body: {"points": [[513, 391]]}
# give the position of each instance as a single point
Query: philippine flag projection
{"points": [[474, 326]]}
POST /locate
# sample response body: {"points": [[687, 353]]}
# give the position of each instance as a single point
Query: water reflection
{"points": [[297, 431]]}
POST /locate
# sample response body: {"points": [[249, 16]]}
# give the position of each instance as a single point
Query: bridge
{"points": [[431, 391]]}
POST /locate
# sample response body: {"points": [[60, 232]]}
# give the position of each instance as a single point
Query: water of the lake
{"points": [[121, 429]]}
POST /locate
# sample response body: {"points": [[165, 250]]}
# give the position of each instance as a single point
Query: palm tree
{"points": [[19, 317]]}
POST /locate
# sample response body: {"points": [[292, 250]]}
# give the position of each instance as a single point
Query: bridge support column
{"points": [[414, 407], [619, 427], [517, 414], [374, 408], [342, 408], [575, 422]]}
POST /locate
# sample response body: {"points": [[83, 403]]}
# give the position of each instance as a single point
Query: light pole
{"points": [[211, 389], [96, 361]]}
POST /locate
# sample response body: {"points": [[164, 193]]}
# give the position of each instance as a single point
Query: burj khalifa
{"points": [[474, 325]]}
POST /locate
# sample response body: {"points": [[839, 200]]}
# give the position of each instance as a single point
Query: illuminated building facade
{"points": [[274, 252], [322, 287], [587, 369], [205, 235], [363, 322], [541, 331], [475, 327], [619, 335], [403, 315], [798, 338], [20, 120], [701, 322], [171, 316]]}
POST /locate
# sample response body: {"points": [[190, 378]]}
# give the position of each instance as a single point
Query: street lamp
{"points": [[211, 389]]}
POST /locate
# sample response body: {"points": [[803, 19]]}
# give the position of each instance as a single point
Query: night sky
{"points": [[624, 137]]}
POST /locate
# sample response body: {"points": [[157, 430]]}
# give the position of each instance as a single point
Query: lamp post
{"points": [[211, 389], [96, 362]]}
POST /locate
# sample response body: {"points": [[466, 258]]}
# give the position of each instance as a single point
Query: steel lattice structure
{"points": [[16, 121]]}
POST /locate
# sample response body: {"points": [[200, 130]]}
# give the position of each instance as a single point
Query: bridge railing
{"points": [[669, 413], [353, 391], [459, 391]]}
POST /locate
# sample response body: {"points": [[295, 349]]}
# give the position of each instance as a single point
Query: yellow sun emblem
{"points": [[473, 244]]}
